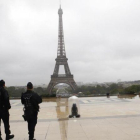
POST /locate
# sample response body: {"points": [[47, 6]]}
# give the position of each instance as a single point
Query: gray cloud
{"points": [[101, 38]]}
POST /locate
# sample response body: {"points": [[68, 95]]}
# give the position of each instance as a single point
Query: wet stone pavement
{"points": [[101, 119]]}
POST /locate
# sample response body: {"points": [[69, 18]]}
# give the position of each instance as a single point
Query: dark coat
{"points": [[35, 99], [4, 99]]}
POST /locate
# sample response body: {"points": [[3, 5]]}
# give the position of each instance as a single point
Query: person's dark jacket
{"points": [[4, 99], [35, 99]]}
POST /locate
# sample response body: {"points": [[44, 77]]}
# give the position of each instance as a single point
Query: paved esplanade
{"points": [[101, 119]]}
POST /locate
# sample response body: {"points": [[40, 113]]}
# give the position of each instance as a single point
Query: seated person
{"points": [[74, 112]]}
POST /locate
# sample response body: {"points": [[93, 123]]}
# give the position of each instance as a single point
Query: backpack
{"points": [[28, 109]]}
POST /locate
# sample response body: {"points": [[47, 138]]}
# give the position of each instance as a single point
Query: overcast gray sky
{"points": [[102, 40]]}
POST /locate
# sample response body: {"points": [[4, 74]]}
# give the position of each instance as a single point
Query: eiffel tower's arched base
{"points": [[57, 80]]}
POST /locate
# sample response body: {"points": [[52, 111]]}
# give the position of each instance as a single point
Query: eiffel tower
{"points": [[61, 59]]}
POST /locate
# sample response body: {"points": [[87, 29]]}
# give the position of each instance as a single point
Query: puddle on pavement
{"points": [[61, 106], [63, 112]]}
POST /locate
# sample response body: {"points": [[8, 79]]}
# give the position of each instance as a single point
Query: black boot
{"points": [[9, 137], [78, 116], [31, 137]]}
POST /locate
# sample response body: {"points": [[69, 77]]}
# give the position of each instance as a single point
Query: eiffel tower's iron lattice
{"points": [[61, 59]]}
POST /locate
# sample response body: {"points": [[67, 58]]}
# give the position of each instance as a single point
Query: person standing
{"points": [[4, 110], [108, 95], [31, 101]]}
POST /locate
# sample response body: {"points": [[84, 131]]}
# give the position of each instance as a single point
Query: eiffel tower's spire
{"points": [[61, 45], [60, 4]]}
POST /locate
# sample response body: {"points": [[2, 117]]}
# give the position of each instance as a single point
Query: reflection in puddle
{"points": [[62, 108], [62, 112]]}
